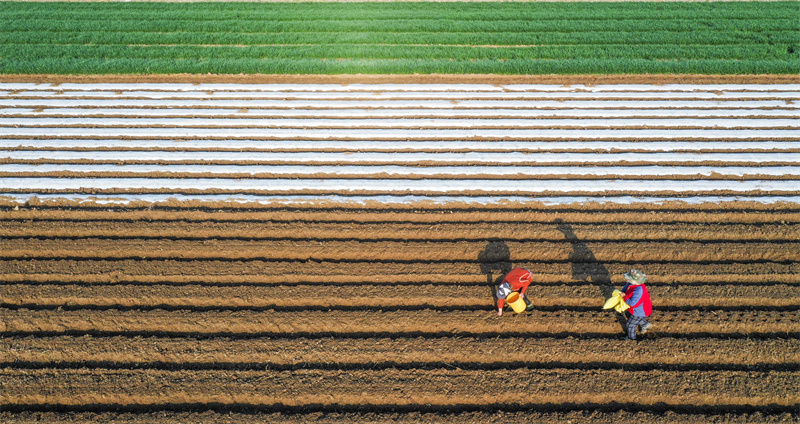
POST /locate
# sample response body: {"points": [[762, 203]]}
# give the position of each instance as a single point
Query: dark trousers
{"points": [[633, 322]]}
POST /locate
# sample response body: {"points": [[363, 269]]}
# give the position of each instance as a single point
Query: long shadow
{"points": [[495, 257], [586, 267]]}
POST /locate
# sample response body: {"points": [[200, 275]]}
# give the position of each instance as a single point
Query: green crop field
{"points": [[400, 38]]}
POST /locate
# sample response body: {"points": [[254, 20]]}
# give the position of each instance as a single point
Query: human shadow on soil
{"points": [[586, 267], [496, 256]]}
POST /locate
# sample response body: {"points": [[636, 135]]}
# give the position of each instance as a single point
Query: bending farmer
{"points": [[636, 296], [517, 280]]}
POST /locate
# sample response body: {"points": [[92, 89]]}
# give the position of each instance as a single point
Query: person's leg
{"points": [[633, 322], [528, 304], [645, 325]]}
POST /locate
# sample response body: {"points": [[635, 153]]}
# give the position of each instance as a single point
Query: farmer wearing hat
{"points": [[517, 280], [636, 296]]}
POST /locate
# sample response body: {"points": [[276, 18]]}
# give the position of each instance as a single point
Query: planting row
{"points": [[304, 321], [396, 143]]}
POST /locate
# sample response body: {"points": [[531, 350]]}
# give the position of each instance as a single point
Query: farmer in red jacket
{"points": [[636, 296], [517, 280]]}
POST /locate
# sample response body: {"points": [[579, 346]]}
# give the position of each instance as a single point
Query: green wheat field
{"points": [[400, 38]]}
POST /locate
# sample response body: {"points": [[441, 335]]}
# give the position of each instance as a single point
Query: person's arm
{"points": [[634, 298], [526, 281], [500, 304]]}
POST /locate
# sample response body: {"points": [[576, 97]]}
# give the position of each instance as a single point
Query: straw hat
{"points": [[635, 276]]}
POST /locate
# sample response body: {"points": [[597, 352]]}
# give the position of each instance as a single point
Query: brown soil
{"points": [[248, 313]]}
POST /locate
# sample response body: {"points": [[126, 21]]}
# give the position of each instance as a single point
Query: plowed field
{"points": [[365, 302]]}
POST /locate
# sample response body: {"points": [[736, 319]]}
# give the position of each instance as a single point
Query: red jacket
{"points": [[519, 279], [638, 298]]}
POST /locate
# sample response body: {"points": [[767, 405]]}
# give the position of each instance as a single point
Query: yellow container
{"points": [[515, 301]]}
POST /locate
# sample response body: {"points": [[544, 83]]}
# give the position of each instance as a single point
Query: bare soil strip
{"points": [[499, 215], [610, 414], [684, 276], [471, 297], [385, 230], [391, 251], [406, 387], [374, 322], [406, 353], [346, 272]]}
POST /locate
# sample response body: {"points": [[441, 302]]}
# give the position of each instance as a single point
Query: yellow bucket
{"points": [[515, 301]]}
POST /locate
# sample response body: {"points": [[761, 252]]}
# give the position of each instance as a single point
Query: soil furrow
{"points": [[445, 296], [406, 387], [485, 364], [485, 415], [592, 214], [769, 278], [499, 413], [362, 323], [426, 251], [460, 352], [388, 231], [387, 272]]}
